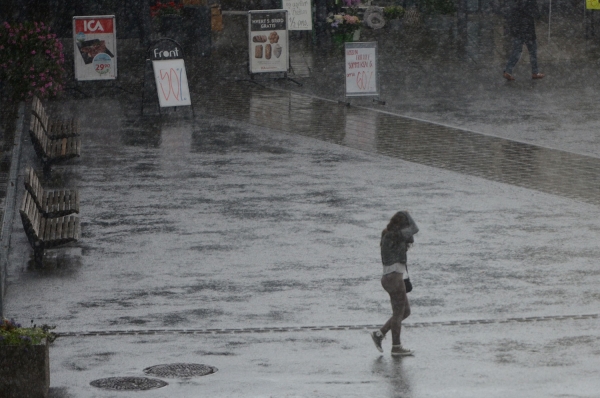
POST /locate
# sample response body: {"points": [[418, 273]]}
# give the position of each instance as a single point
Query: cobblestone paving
{"points": [[548, 170]]}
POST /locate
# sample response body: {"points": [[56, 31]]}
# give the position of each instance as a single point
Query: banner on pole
{"points": [[268, 41], [361, 69], [95, 47], [299, 14], [592, 4]]}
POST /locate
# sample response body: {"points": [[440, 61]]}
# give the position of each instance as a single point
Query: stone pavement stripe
{"points": [[548, 170], [322, 328]]}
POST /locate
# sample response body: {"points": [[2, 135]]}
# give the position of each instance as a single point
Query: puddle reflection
{"points": [[493, 158], [392, 371]]}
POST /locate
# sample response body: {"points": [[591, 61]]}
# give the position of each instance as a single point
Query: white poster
{"points": [[361, 69], [268, 41], [171, 83], [299, 14], [95, 47]]}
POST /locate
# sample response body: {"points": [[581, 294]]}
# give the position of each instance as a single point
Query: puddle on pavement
{"points": [[497, 159]]}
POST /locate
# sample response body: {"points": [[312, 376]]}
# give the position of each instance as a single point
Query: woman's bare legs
{"points": [[393, 283]]}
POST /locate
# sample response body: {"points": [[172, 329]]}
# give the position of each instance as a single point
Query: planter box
{"points": [[24, 371]]}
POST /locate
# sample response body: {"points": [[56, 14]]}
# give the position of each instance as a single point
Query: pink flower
{"points": [[33, 52]]}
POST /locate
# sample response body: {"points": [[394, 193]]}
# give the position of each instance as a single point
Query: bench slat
{"points": [[54, 128], [52, 203]]}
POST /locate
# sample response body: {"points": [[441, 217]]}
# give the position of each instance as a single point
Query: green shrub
{"points": [[12, 333], [393, 12]]}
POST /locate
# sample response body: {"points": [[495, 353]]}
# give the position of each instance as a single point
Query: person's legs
{"points": [[532, 48], [394, 285], [515, 54]]}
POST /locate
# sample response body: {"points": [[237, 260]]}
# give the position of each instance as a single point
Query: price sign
{"points": [[299, 14], [361, 69], [95, 47], [171, 83]]}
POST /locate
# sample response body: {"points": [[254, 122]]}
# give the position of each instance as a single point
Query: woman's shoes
{"points": [[537, 76], [377, 337], [399, 351]]}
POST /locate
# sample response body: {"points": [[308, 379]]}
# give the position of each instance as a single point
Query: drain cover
{"points": [[175, 370], [128, 383]]}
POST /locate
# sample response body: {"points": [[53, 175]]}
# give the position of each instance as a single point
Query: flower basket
{"points": [[167, 18], [341, 38], [25, 370], [24, 360], [344, 27]]}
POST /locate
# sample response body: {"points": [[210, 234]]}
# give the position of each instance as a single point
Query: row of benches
{"points": [[48, 216]]}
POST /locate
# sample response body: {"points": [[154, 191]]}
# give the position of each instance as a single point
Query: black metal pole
{"points": [[320, 20]]}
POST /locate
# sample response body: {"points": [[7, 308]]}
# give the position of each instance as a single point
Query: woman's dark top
{"points": [[393, 248]]}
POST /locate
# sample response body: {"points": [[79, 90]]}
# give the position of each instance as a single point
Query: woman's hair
{"points": [[397, 222]]}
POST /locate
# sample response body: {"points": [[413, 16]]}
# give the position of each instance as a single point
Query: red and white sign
{"points": [[361, 69], [91, 25], [95, 47]]}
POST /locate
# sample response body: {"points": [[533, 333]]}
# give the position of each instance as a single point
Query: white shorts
{"points": [[396, 267]]}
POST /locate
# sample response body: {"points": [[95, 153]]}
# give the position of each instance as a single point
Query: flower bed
{"points": [[31, 61]]}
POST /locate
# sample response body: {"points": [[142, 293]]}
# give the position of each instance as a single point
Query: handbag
{"points": [[407, 283]]}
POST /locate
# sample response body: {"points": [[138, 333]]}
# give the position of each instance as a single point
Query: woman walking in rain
{"points": [[521, 24], [396, 239]]}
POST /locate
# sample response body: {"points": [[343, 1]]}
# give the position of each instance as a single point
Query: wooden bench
{"points": [[54, 203], [54, 128], [45, 233], [52, 151]]}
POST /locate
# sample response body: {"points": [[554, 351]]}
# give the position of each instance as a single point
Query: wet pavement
{"points": [[245, 237]]}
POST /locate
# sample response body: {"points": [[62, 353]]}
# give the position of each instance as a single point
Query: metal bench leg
{"points": [[38, 256], [47, 170]]}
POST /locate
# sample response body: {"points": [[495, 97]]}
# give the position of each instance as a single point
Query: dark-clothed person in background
{"points": [[521, 23]]}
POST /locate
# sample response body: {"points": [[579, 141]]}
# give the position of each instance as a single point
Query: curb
{"points": [[9, 203]]}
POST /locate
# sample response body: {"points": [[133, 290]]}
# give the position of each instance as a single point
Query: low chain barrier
{"points": [[285, 329]]}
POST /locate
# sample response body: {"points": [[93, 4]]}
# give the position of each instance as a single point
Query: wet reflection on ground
{"points": [[391, 369], [547, 170]]}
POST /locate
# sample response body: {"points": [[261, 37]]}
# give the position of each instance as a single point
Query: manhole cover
{"points": [[175, 370], [128, 383]]}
